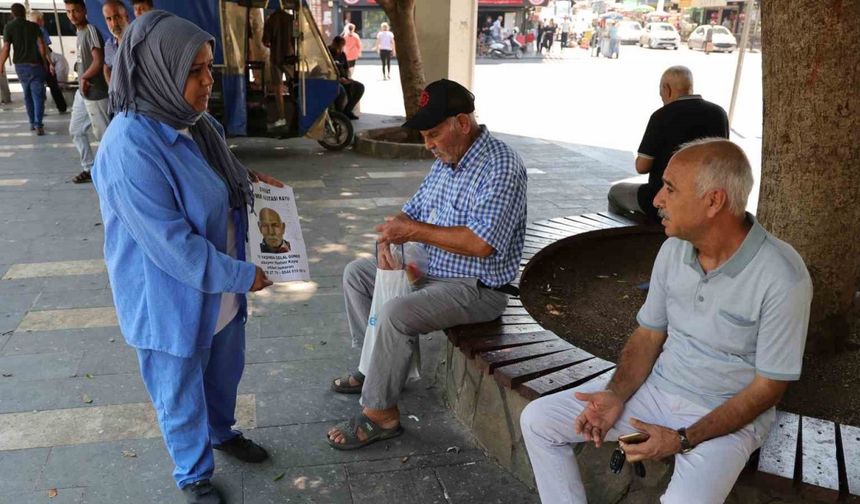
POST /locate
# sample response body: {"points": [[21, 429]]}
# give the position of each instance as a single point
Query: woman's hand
{"points": [[262, 177], [261, 281]]}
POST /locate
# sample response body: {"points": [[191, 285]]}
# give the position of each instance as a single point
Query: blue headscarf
{"points": [[148, 78]]}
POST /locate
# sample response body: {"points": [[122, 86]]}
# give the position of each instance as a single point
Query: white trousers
{"points": [[87, 114], [704, 476]]}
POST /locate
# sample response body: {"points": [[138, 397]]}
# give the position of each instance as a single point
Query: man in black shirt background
{"points": [[32, 65], [684, 117], [351, 90]]}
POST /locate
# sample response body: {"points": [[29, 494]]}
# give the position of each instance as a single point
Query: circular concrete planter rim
{"points": [[365, 143]]}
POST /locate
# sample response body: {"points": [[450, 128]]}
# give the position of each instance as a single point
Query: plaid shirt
{"points": [[485, 192]]}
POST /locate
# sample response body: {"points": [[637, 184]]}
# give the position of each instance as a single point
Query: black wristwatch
{"points": [[686, 447]]}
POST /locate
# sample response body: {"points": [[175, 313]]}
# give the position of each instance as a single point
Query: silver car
{"points": [[721, 39], [629, 32], [660, 35]]}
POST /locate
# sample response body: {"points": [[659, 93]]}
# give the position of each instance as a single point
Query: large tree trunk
{"points": [[401, 13], [810, 192]]}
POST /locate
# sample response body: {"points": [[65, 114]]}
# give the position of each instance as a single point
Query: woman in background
{"points": [[385, 49]]}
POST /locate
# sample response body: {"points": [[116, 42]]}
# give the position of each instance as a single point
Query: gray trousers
{"points": [[86, 115], [623, 198], [438, 303]]}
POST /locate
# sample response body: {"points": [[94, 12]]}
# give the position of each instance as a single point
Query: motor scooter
{"points": [[509, 48]]}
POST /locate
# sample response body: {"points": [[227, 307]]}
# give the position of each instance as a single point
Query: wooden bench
{"points": [[817, 458]]}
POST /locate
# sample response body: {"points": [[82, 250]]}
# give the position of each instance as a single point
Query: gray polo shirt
{"points": [[747, 317]]}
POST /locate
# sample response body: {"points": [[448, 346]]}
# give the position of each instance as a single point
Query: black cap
{"points": [[440, 100]]}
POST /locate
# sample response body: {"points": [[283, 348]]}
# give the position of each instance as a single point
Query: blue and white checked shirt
{"points": [[485, 192]]}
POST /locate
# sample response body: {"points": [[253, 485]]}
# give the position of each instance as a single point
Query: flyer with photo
{"points": [[275, 241]]}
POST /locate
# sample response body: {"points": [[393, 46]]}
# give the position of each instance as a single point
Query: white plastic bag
{"points": [[390, 284]]}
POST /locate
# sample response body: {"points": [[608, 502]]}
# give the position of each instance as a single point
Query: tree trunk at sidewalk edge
{"points": [[810, 190], [401, 13]]}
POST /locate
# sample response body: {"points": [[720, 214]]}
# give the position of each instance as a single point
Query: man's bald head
{"points": [[677, 81], [719, 164]]}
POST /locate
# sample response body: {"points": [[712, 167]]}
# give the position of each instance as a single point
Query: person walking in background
{"points": [[565, 32], [174, 202], [50, 78], [385, 49], [709, 38], [352, 48], [549, 35], [90, 109], [30, 58], [614, 44], [278, 37]]}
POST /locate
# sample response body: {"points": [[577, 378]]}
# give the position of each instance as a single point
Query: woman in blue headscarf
{"points": [[174, 203]]}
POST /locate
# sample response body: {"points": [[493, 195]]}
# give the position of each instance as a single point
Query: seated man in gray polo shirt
{"points": [[720, 337]]}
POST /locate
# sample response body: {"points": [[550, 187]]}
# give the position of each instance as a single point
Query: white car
{"points": [[722, 39], [660, 35], [629, 32]]}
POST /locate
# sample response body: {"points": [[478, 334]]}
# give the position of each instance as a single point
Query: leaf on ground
{"points": [[453, 449], [404, 459], [89, 375], [309, 347], [52, 493], [413, 417], [602, 277], [279, 477], [7, 375], [87, 399], [129, 454]]}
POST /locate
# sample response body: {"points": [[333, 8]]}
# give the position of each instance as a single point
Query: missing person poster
{"points": [[275, 240]]}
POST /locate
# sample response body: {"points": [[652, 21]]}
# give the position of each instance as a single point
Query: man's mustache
{"points": [[662, 213]]}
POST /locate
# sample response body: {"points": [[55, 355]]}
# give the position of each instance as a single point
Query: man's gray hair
{"points": [[722, 165], [678, 77]]}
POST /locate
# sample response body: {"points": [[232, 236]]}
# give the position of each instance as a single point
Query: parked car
{"points": [[629, 32], [722, 39], [660, 35]]}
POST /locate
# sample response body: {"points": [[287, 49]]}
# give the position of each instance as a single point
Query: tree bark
{"points": [[810, 191], [401, 13]]}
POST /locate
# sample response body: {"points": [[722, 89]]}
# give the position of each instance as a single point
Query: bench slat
{"points": [[549, 235], [539, 242], [515, 310], [565, 378], [472, 346], [851, 452], [556, 228], [514, 301], [577, 219], [513, 375], [559, 224], [777, 458], [819, 465], [603, 220], [493, 329], [618, 218], [565, 221], [504, 356]]}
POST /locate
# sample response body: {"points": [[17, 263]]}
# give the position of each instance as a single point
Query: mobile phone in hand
{"points": [[634, 438]]}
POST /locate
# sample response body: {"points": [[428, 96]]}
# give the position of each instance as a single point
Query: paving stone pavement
{"points": [[66, 369]]}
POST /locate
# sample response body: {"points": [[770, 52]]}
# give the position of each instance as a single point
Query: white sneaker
{"points": [[280, 123]]}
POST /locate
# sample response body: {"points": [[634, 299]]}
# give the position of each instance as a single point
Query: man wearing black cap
{"points": [[469, 215]]}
